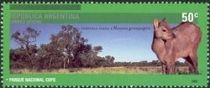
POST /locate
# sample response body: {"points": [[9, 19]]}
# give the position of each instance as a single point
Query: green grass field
{"points": [[101, 70]]}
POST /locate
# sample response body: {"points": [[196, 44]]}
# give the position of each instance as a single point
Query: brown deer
{"points": [[169, 44]]}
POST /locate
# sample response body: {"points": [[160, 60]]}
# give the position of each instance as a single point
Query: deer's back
{"points": [[187, 38]]}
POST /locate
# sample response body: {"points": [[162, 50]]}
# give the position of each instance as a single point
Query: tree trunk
{"points": [[29, 56], [49, 67], [64, 63]]}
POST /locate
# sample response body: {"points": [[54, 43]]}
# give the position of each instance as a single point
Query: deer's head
{"points": [[162, 30]]}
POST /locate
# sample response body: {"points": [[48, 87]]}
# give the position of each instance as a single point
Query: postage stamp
{"points": [[96, 44]]}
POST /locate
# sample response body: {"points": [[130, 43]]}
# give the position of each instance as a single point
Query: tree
{"points": [[142, 63], [18, 58], [67, 49], [97, 49], [91, 58], [70, 42], [25, 39], [155, 63], [109, 60]]}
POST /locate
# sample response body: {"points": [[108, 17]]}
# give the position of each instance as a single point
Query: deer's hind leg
{"points": [[190, 64], [194, 60]]}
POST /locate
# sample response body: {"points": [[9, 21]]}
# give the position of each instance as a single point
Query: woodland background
{"points": [[69, 51]]}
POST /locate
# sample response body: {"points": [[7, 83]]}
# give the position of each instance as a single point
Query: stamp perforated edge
{"points": [[1, 45], [92, 2], [208, 36]]}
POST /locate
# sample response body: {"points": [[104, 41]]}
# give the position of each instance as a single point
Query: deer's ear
{"points": [[156, 23]]}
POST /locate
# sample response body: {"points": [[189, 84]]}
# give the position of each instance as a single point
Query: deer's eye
{"points": [[164, 30]]}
